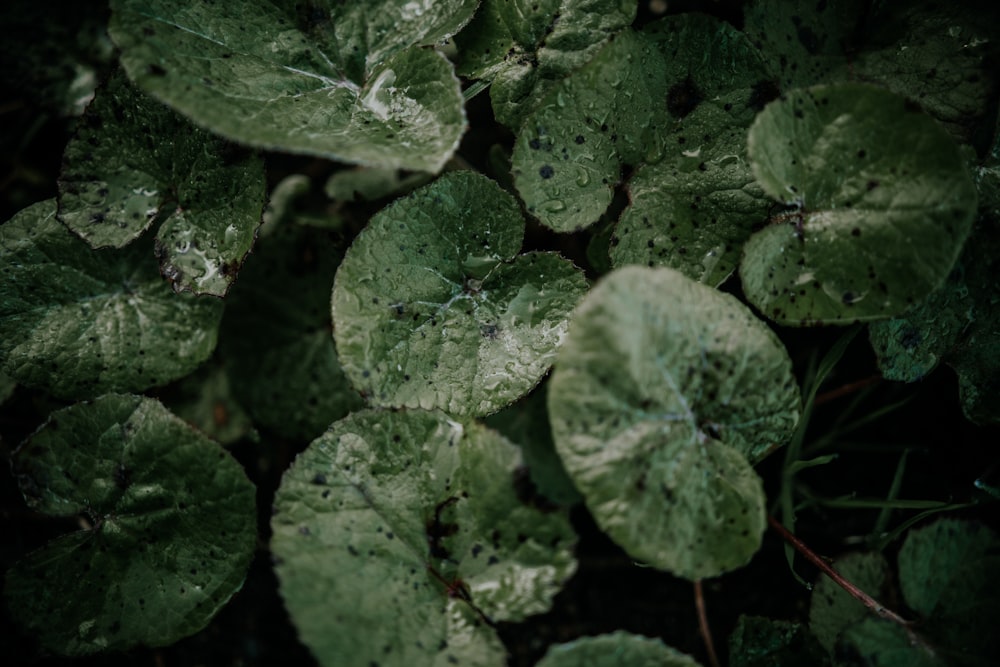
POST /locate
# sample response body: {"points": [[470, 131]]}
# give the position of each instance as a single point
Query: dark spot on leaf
{"points": [[156, 70], [683, 98], [546, 171], [579, 139], [856, 231]]}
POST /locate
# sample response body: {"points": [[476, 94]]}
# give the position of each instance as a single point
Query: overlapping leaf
{"points": [[342, 80], [663, 391], [433, 308], [618, 649], [79, 322], [171, 528], [766, 642], [881, 203], [421, 513], [134, 161]]}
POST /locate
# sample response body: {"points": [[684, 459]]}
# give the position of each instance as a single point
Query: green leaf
{"points": [[663, 389], [205, 400], [433, 308], [79, 322], [876, 642], [171, 528], [342, 80], [696, 204], [832, 610], [618, 649], [133, 161], [568, 155], [276, 340], [766, 642], [525, 47], [371, 183], [881, 205], [421, 514]]}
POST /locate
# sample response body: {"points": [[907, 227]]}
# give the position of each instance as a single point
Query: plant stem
{"points": [[703, 628], [846, 389]]}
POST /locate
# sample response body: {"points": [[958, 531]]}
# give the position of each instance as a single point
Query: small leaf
{"points": [[618, 649], [882, 203], [172, 528], [205, 400], [766, 642], [695, 203], [422, 514], [568, 155], [832, 609], [276, 341], [433, 308], [79, 322], [525, 47], [133, 161], [663, 389], [347, 81], [371, 183]]}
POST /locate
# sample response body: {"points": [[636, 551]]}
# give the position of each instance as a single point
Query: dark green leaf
{"points": [[433, 308], [663, 389], [79, 322], [618, 649], [171, 528], [205, 400], [421, 514], [342, 80], [832, 609], [881, 205], [134, 161], [875, 642], [765, 642]]}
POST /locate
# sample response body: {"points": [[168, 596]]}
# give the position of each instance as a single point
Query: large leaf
{"points": [[401, 540], [881, 205], [342, 80], [618, 649], [79, 322], [133, 161], [568, 155], [433, 308], [524, 47], [662, 391], [276, 340], [696, 203], [171, 528]]}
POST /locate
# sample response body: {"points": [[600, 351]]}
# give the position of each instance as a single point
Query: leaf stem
{"points": [[846, 389], [703, 627]]}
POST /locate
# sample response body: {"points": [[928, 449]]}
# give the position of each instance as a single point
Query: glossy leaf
{"points": [[277, 344], [881, 203], [832, 610], [421, 512], [171, 528], [525, 47], [695, 203], [134, 161], [766, 642], [433, 308], [569, 153], [345, 81], [79, 322], [618, 649], [662, 391]]}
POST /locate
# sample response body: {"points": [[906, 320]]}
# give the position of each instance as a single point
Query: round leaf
{"points": [[346, 80], [662, 391], [618, 649], [133, 161], [882, 203], [79, 322], [401, 540], [432, 308], [172, 528]]}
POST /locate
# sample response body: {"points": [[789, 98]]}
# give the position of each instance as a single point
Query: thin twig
{"points": [[706, 632], [846, 389]]}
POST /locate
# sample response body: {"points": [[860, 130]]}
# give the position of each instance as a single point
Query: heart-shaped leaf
{"points": [[401, 541], [662, 391], [343, 80], [433, 308], [171, 528]]}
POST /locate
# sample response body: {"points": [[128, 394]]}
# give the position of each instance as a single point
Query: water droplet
{"points": [[555, 205], [560, 100], [582, 177]]}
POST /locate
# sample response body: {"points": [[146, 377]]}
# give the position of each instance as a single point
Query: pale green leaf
{"points": [[881, 205], [618, 649], [371, 183], [171, 528], [767, 642], [695, 203], [662, 391], [343, 80], [524, 47], [78, 322], [433, 308], [276, 339], [421, 514], [832, 609], [133, 161], [569, 153]]}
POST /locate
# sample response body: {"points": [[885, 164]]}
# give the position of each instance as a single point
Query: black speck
{"points": [[546, 171]]}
